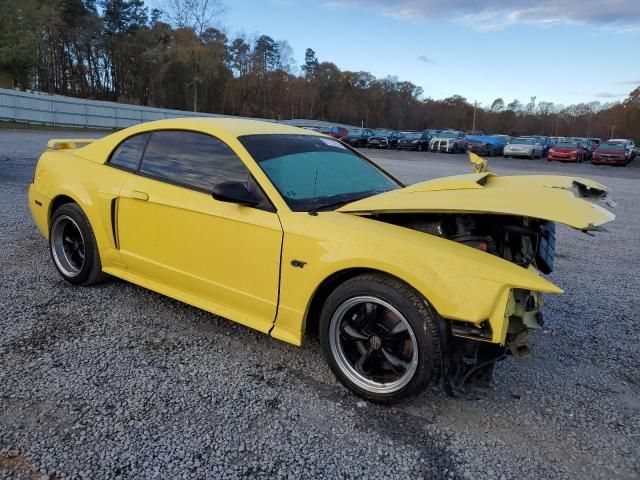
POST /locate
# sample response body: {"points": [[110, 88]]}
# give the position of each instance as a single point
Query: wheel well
{"points": [[57, 203], [324, 290]]}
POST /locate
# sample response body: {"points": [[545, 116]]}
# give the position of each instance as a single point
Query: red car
{"points": [[610, 153], [568, 151], [338, 132]]}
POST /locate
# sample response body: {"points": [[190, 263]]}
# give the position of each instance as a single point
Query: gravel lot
{"points": [[117, 381]]}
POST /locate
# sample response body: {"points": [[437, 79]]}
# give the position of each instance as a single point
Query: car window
{"points": [[129, 152], [312, 173], [192, 159]]}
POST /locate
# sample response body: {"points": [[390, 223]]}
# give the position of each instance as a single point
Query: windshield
{"points": [[448, 134], [413, 136], [356, 132], [314, 173], [383, 133], [522, 141], [567, 144], [611, 146], [541, 139]]}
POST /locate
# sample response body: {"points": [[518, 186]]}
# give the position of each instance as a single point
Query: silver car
{"points": [[449, 141], [523, 147]]}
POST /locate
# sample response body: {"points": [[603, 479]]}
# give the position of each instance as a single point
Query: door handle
{"points": [[144, 196]]}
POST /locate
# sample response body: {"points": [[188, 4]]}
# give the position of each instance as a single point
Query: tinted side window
{"points": [[129, 152], [192, 159]]}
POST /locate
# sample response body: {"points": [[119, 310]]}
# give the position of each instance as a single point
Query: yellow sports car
{"points": [[292, 233]]}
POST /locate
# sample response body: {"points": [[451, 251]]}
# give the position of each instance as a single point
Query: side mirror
{"points": [[234, 192]]}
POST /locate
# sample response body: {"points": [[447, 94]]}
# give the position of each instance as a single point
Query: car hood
{"points": [[518, 146], [566, 200], [611, 152]]}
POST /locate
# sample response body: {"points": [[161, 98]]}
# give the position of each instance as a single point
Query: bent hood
{"points": [[566, 200]]}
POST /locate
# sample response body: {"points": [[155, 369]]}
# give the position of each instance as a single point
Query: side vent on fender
{"points": [[114, 222]]}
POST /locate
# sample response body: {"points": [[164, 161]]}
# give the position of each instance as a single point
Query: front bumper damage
{"points": [[470, 355]]}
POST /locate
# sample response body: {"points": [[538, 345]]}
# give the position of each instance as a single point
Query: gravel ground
{"points": [[117, 381]]}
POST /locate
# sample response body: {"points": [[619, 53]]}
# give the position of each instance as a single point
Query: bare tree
{"points": [[197, 15]]}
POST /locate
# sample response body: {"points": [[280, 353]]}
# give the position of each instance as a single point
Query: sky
{"points": [[564, 51]]}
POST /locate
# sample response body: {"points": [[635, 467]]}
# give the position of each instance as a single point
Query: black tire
{"points": [[370, 296], [76, 257], [420, 148], [533, 155]]}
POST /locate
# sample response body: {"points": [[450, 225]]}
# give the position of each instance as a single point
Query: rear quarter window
{"points": [[129, 152]]}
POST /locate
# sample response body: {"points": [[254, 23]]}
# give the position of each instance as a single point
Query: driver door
{"points": [[172, 231]]}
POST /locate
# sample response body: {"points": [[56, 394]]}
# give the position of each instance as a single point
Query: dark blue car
{"points": [[545, 142], [485, 145]]}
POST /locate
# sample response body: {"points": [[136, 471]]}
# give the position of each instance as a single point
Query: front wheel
{"points": [[73, 246], [379, 338]]}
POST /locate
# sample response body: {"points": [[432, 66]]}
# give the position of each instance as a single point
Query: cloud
{"points": [[600, 94], [606, 95], [614, 15], [627, 82], [425, 59]]}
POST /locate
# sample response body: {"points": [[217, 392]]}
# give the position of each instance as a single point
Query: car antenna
{"points": [[314, 210]]}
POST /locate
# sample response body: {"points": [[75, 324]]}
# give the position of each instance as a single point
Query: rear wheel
{"points": [[73, 246], [379, 338]]}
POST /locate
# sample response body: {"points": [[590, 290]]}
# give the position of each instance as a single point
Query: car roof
{"points": [[233, 127]]}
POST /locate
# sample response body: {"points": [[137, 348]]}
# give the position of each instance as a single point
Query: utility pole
{"points": [[475, 106]]}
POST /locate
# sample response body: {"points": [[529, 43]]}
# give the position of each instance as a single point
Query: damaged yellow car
{"points": [[292, 233]]}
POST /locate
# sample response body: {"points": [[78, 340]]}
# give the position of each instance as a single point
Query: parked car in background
{"points": [[584, 143], [630, 145], [505, 138], [569, 151], [612, 153], [384, 139], [523, 147], [431, 132], [414, 141], [323, 130], [449, 141], [554, 140], [358, 137], [338, 132], [485, 145], [545, 142]]}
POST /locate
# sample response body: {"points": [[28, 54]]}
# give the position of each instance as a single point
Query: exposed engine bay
{"points": [[523, 241]]}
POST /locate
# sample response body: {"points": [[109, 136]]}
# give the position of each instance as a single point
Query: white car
{"points": [[449, 141], [523, 147]]}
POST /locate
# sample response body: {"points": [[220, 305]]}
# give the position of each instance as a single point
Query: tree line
{"points": [[121, 50]]}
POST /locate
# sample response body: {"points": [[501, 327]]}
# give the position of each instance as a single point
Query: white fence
{"points": [[59, 111], [56, 110]]}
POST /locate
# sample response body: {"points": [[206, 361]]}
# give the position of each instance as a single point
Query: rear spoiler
{"points": [[67, 143]]}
